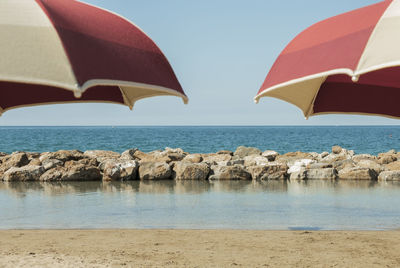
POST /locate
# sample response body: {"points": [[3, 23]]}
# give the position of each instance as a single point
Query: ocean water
{"points": [[204, 139], [312, 205]]}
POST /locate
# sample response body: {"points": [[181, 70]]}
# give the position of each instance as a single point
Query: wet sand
{"points": [[198, 248]]}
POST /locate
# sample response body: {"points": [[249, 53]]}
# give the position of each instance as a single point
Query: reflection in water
{"points": [[190, 187], [296, 205]]}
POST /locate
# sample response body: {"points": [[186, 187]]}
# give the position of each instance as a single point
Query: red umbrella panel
{"points": [[345, 64], [60, 51]]}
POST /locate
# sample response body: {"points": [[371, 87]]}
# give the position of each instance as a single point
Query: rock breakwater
{"points": [[246, 163]]}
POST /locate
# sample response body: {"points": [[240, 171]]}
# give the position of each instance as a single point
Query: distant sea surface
{"points": [[201, 139]]}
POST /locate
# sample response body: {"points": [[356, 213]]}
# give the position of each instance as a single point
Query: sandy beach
{"points": [[198, 248]]}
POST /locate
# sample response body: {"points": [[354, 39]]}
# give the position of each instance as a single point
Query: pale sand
{"points": [[198, 248]]}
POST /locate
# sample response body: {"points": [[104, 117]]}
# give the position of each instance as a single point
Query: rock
{"points": [[101, 155], [129, 154], [191, 171], [25, 173], [63, 155], [272, 171], [293, 156], [216, 158], [318, 165], [255, 160], [35, 162], [370, 164], [339, 165], [387, 159], [323, 154], [359, 157], [243, 151], [392, 166], [336, 149], [225, 152], [343, 155], [154, 171], [389, 175], [229, 173], [235, 162], [357, 173], [270, 155], [321, 174], [72, 172], [2, 154], [13, 160], [169, 155], [51, 163], [193, 158], [120, 169], [300, 174], [299, 165]]}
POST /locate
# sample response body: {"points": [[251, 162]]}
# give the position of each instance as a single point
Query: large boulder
{"points": [[120, 169], [168, 155], [63, 155], [321, 174], [101, 155], [51, 163], [388, 157], [370, 164], [72, 171], [220, 159], [360, 157], [236, 172], [243, 151], [299, 165], [154, 171], [300, 174], [389, 175], [25, 173], [272, 171], [191, 171], [358, 173], [336, 149]]}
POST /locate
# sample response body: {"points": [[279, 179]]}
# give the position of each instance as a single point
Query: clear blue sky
{"points": [[221, 52]]}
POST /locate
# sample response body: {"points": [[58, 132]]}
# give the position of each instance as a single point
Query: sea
{"points": [[250, 205]]}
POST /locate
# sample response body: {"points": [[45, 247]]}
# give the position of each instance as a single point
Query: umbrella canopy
{"points": [[345, 64], [61, 51]]}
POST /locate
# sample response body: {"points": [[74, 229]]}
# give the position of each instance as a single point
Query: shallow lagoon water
{"points": [[304, 205]]}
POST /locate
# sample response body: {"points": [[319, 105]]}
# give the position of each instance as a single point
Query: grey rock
{"points": [[301, 174], [255, 160], [51, 163], [319, 165], [154, 171]]}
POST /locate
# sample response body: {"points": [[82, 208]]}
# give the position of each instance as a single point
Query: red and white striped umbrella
{"points": [[60, 51], [345, 64]]}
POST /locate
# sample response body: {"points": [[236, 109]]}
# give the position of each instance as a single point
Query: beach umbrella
{"points": [[62, 51], [349, 63]]}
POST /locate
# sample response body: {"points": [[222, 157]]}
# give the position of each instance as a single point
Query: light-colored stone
{"points": [[243, 151], [129, 154], [272, 171], [51, 163], [73, 171], [216, 158], [101, 155], [392, 166], [270, 155], [193, 158], [154, 171], [336, 149], [357, 173], [25, 173], [17, 159], [389, 175], [359, 157], [370, 164], [323, 155], [236, 172], [300, 174], [191, 171], [299, 165], [318, 165], [321, 174], [255, 160], [120, 169], [225, 152]]}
